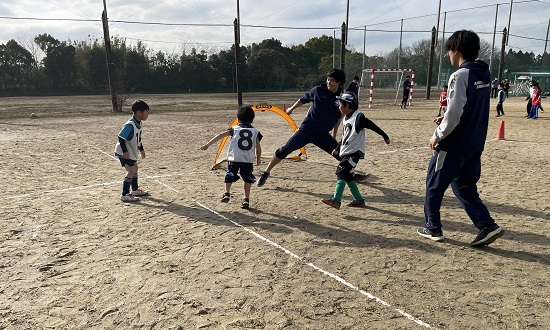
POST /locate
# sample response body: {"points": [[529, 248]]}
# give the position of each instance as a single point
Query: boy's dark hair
{"points": [[139, 105], [501, 85], [246, 114], [464, 41], [338, 75], [445, 86], [356, 78]]}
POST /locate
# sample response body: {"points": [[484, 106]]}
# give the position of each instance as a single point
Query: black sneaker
{"points": [[356, 203], [245, 204], [488, 235], [434, 236], [360, 177], [226, 197], [263, 178], [332, 202]]}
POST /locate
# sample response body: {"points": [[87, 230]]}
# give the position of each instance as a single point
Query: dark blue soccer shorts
{"points": [[124, 161], [244, 169], [302, 137]]}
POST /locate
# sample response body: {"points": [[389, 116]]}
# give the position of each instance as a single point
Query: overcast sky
{"points": [[208, 24]]}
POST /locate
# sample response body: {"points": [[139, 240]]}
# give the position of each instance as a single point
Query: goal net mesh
{"points": [[384, 87]]}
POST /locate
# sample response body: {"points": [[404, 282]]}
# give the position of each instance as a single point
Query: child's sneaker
{"points": [[332, 202], [245, 204], [356, 203], [357, 177], [225, 198], [129, 198], [140, 192]]}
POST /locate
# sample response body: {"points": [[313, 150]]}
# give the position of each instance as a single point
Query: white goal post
{"points": [[394, 84]]}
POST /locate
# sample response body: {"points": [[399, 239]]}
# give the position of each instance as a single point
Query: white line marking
{"points": [[106, 153], [335, 277], [154, 177], [400, 150]]}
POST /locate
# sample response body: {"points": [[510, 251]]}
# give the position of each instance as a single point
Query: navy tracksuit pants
{"points": [[462, 172]]}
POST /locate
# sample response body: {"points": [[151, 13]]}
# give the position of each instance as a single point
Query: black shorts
{"points": [[244, 169], [346, 167], [129, 162], [301, 137]]}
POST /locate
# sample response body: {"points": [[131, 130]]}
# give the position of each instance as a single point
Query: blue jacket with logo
{"points": [[464, 126], [323, 113]]}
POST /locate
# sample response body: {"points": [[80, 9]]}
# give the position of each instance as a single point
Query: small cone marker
{"points": [[284, 107], [500, 134]]}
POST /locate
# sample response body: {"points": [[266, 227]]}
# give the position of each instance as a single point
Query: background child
{"points": [[501, 96], [443, 101], [126, 149], [351, 149], [535, 101], [243, 145]]}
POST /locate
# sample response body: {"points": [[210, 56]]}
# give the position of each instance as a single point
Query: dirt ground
{"points": [[73, 256]]}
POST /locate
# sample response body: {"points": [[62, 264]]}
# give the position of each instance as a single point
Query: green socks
{"points": [[355, 191]]}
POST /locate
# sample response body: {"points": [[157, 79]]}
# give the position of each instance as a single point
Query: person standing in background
{"points": [[406, 92]]}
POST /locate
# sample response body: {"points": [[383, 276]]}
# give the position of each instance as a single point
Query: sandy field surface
{"points": [[73, 256]]}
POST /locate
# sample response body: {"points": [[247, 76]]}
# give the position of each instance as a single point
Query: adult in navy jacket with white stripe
{"points": [[458, 142], [320, 119]]}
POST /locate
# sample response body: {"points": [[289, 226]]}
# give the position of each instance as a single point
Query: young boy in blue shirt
{"points": [[128, 148]]}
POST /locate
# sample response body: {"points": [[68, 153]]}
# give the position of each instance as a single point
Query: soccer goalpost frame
{"points": [[380, 82]]}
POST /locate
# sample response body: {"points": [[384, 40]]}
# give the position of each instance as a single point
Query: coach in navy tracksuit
{"points": [[458, 142], [319, 121]]}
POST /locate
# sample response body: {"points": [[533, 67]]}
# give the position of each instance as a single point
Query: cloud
{"points": [[209, 23]]}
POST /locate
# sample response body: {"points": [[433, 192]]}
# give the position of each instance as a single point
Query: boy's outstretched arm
{"points": [[216, 138], [365, 123]]}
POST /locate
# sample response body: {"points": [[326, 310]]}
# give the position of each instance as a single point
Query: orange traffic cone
{"points": [[500, 134], [284, 107]]}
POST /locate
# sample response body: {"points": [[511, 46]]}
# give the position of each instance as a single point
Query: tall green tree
{"points": [[16, 67], [59, 63]]}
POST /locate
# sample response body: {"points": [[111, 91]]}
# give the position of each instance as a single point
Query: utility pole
{"points": [[109, 57], [502, 48], [494, 35], [545, 44], [430, 65], [343, 49], [442, 50], [365, 49], [400, 45], [334, 48], [237, 28], [438, 16], [238, 63], [347, 20], [509, 20]]}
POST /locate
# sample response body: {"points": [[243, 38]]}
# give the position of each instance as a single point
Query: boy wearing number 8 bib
{"points": [[351, 149], [244, 145]]}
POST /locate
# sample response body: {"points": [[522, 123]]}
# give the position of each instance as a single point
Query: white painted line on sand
{"points": [[333, 276], [55, 191], [402, 150]]}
